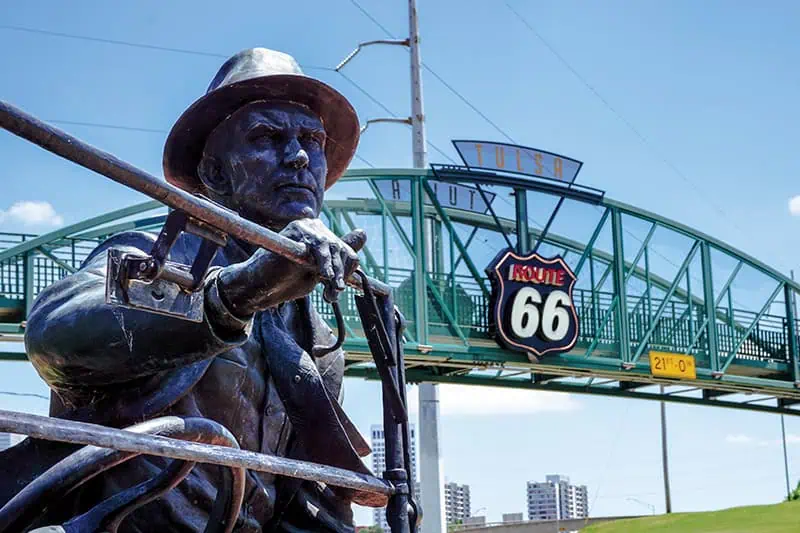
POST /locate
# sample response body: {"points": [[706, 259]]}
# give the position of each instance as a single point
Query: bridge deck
{"points": [[682, 291]]}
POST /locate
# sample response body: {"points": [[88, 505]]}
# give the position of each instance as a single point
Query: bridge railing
{"points": [[676, 328], [456, 302]]}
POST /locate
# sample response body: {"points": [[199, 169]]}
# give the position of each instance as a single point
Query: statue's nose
{"points": [[295, 156]]}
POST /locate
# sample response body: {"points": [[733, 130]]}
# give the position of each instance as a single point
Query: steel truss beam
{"points": [[455, 358]]}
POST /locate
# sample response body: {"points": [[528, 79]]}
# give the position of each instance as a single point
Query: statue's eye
{"points": [[263, 133], [312, 137]]}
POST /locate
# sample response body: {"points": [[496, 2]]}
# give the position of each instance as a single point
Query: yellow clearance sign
{"points": [[672, 365]]}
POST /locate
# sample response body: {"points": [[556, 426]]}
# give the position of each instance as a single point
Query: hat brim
{"points": [[185, 142]]}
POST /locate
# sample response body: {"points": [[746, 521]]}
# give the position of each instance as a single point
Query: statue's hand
{"points": [[267, 279]]}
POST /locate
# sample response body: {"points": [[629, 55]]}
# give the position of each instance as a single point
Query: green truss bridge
{"points": [[645, 284]]}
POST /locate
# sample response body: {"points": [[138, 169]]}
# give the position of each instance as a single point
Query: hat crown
{"points": [[254, 63], [258, 74]]}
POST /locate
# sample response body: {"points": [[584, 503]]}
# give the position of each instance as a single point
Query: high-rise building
{"points": [[456, 503], [557, 499], [378, 444]]}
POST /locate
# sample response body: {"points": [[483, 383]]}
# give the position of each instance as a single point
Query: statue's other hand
{"points": [[266, 279]]}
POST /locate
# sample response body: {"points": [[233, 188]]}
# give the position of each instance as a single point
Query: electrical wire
{"points": [[106, 126], [619, 115], [146, 46], [373, 19], [392, 113], [26, 394], [129, 44], [355, 84], [456, 93]]}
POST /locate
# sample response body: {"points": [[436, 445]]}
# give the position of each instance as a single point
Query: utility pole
{"points": [[793, 303], [664, 458], [785, 457], [417, 113], [431, 473]]}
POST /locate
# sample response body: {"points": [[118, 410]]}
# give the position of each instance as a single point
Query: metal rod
{"points": [[791, 313], [495, 217], [791, 330], [61, 430], [523, 230], [73, 149], [378, 120], [785, 457], [664, 455], [587, 251], [353, 54]]}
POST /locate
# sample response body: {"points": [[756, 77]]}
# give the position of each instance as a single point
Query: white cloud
{"points": [[747, 440], [471, 400], [739, 439], [794, 205], [31, 213], [792, 439]]}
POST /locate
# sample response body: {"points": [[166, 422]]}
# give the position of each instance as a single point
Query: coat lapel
{"points": [[309, 403]]}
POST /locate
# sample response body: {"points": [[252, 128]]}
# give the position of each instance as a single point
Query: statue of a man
{"points": [[265, 141]]}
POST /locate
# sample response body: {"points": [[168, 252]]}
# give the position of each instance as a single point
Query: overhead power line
{"points": [[469, 104], [628, 124], [614, 111], [373, 19], [436, 75], [158, 48], [130, 44], [107, 126], [26, 394]]}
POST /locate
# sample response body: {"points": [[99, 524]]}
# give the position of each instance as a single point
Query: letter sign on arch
{"points": [[531, 309]]}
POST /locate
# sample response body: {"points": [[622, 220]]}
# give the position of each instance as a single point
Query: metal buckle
{"points": [[154, 284]]}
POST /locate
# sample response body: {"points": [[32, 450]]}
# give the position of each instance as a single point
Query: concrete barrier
{"points": [[540, 526]]}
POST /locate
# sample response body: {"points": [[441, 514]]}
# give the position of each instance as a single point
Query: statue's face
{"points": [[267, 162]]}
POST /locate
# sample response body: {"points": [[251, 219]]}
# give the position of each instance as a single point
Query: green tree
{"points": [[371, 529], [454, 526]]}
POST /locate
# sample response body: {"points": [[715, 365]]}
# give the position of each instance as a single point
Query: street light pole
{"points": [[664, 458], [785, 457], [431, 472], [648, 505], [783, 425]]}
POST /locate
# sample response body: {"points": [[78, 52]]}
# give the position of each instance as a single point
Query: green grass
{"points": [[780, 518]]}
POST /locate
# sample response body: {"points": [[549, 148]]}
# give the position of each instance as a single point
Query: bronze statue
{"points": [[265, 141]]}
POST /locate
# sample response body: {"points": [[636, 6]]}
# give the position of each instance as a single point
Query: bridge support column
{"points": [[523, 239], [431, 472], [623, 332], [791, 330], [711, 311], [28, 281]]}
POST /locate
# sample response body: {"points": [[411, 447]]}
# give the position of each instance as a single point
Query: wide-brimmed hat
{"points": [[252, 75]]}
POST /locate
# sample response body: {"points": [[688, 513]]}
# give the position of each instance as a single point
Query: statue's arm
{"points": [[74, 338]]}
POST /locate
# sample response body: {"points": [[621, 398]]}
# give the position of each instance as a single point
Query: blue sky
{"points": [[695, 120]]}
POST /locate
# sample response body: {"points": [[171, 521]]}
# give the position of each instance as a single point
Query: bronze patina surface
{"points": [[265, 141]]}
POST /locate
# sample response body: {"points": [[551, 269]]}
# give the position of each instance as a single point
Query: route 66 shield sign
{"points": [[532, 309]]}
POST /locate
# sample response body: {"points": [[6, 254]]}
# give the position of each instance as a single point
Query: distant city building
{"points": [[378, 444], [512, 517], [456, 503], [557, 499], [475, 521]]}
